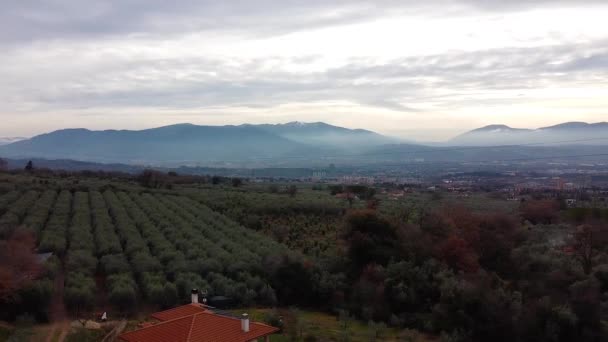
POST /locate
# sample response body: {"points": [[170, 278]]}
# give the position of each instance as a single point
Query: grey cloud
{"points": [[399, 85], [31, 20], [28, 20]]}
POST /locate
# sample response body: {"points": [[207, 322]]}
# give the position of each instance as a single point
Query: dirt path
{"points": [[58, 314], [65, 330], [51, 333]]}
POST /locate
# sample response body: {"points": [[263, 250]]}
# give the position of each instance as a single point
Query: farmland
{"points": [[325, 263], [138, 247]]}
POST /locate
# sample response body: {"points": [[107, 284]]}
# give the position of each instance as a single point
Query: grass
{"points": [[325, 327], [21, 335], [85, 335]]}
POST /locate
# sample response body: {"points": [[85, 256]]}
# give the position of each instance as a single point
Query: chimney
{"points": [[245, 323], [194, 296]]}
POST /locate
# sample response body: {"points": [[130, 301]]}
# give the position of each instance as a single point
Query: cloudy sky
{"points": [[422, 70]]}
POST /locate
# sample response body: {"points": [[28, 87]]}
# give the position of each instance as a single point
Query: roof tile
{"points": [[200, 326]]}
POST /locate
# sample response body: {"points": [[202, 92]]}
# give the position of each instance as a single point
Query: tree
{"points": [[362, 191], [457, 253], [36, 297], [540, 211], [152, 179], [477, 306], [29, 166], [18, 263], [123, 295], [496, 239], [586, 304], [79, 292], [370, 239], [169, 295], [3, 165], [292, 190], [293, 282], [236, 182], [586, 243]]}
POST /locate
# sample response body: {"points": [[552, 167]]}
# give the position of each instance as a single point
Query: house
{"points": [[196, 322], [43, 257]]}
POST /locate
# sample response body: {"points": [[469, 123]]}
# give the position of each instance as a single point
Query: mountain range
{"points": [[562, 134], [187, 144], [298, 144]]}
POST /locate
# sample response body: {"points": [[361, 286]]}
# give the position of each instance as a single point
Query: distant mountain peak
{"points": [[297, 123], [561, 133], [493, 128], [307, 124], [576, 125]]}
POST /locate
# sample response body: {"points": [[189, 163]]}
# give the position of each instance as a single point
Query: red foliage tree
{"points": [[465, 222], [540, 211], [18, 263], [456, 252]]}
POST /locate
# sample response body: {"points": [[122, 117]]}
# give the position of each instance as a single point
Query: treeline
{"points": [[470, 277]]}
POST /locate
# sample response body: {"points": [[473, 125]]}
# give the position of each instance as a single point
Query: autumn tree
{"points": [[458, 254], [540, 211], [18, 263], [586, 243]]}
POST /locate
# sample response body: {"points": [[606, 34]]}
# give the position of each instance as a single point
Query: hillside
{"points": [[578, 133], [171, 145], [187, 144], [293, 145], [325, 135], [10, 140]]}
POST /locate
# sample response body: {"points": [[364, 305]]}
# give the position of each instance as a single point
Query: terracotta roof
{"points": [[201, 327], [179, 312]]}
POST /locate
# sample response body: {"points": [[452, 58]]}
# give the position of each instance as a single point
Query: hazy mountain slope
{"points": [[298, 145], [562, 134], [324, 135], [177, 144], [10, 140], [406, 154]]}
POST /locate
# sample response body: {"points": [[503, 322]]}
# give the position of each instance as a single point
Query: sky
{"points": [[420, 70]]}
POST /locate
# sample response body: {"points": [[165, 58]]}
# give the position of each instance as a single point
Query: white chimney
{"points": [[194, 296], [245, 323]]}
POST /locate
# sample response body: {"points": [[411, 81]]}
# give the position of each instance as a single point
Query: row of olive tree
{"points": [[81, 262], [16, 212], [54, 235]]}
